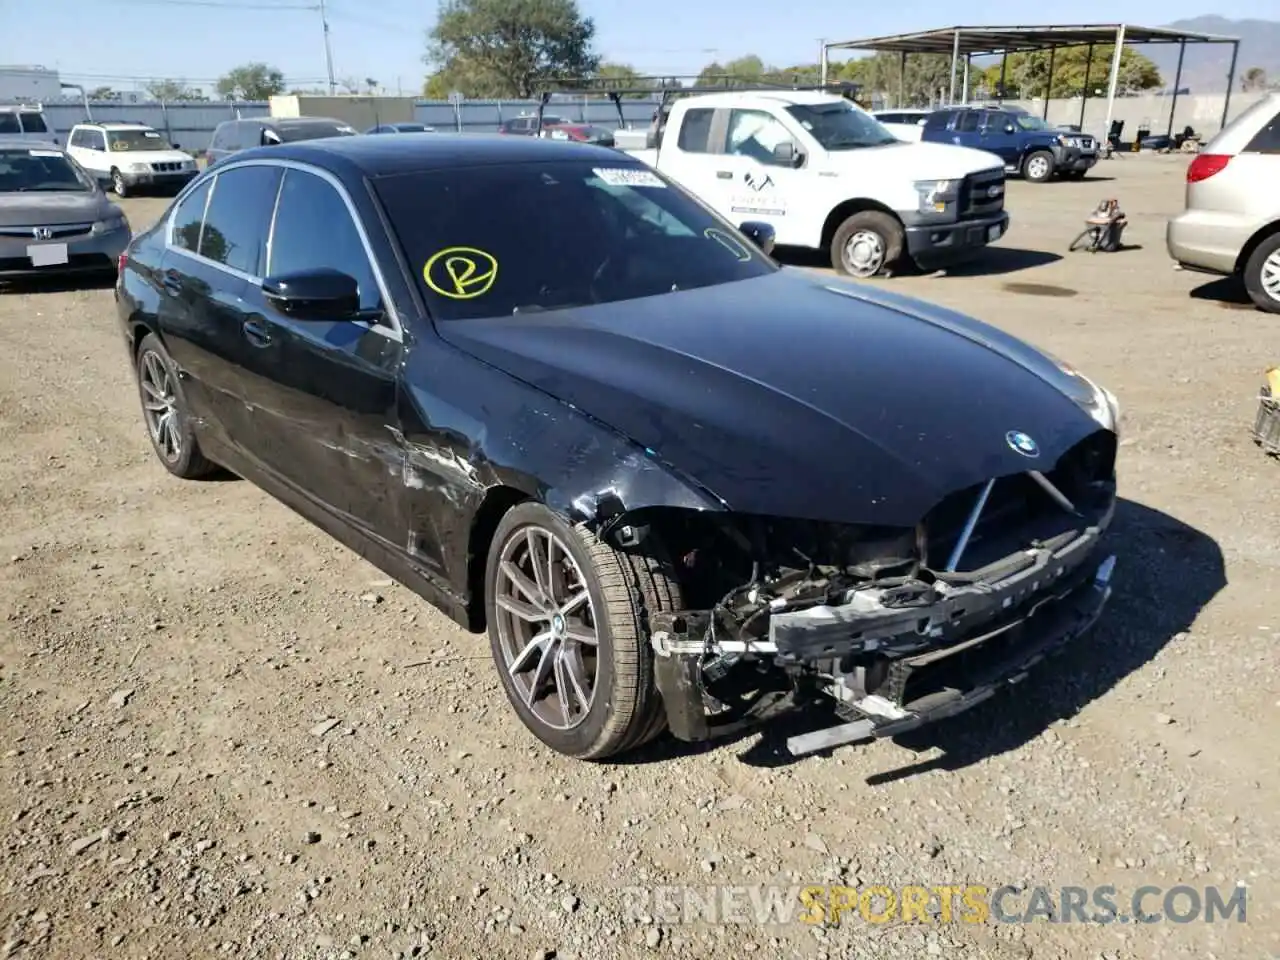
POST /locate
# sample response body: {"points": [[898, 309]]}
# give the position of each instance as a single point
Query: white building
{"points": [[29, 84]]}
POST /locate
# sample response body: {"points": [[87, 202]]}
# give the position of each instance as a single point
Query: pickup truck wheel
{"points": [[1038, 166], [117, 183], [568, 629], [1262, 274], [866, 243]]}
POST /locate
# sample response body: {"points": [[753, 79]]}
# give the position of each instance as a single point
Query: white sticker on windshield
{"points": [[628, 177], [151, 133], [44, 153]]}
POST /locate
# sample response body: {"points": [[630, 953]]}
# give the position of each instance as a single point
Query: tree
{"points": [[1027, 74], [102, 93], [1255, 78], [924, 75], [172, 91], [251, 81], [508, 48]]}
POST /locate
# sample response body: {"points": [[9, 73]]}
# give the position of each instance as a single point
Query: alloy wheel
{"points": [[160, 406], [1270, 275], [1037, 168], [546, 627]]}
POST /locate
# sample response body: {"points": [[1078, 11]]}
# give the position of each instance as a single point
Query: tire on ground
{"points": [[1268, 249], [1038, 160], [191, 464], [626, 589], [891, 235]]}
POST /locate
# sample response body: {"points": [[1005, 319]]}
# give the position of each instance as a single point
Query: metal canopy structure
{"points": [[965, 43]]}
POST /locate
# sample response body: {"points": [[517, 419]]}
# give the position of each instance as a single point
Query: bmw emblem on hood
{"points": [[1019, 442]]}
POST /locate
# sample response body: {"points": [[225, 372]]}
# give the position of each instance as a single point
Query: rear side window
{"points": [[967, 121], [9, 123], [1266, 140], [34, 123], [188, 217], [239, 214], [695, 130], [938, 121]]}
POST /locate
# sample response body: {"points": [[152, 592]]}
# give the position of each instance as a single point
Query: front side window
{"points": [[189, 216], [239, 214], [314, 230], [839, 125], [755, 134], [35, 171], [695, 130], [1027, 122], [534, 237], [120, 141]]}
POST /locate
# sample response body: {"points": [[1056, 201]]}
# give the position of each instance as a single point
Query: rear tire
{"points": [[1037, 166], [1262, 275], [588, 622], [867, 243], [166, 414]]}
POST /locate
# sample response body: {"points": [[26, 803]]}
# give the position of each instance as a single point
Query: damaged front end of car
{"points": [[895, 628]]}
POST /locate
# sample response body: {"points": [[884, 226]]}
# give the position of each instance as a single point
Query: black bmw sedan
{"points": [[680, 487]]}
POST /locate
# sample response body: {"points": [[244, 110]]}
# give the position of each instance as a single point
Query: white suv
{"points": [[23, 122], [129, 156]]}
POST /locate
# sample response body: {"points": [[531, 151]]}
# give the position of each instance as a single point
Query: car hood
{"points": [[791, 395], [51, 209], [915, 160]]}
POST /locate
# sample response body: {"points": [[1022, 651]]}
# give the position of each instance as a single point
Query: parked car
{"points": [[827, 176], [904, 124], [547, 389], [401, 128], [1027, 145], [54, 219], [232, 136], [526, 125], [581, 133], [26, 122], [1231, 224], [129, 156]]}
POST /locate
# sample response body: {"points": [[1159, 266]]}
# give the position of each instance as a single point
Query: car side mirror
{"points": [[1010, 128], [786, 154], [177, 146], [760, 233], [322, 294]]}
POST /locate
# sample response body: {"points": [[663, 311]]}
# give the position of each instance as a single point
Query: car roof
{"points": [[379, 156], [300, 121], [26, 143], [24, 107]]}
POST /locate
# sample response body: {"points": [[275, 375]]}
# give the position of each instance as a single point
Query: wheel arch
{"points": [[1255, 241], [844, 210], [497, 502]]}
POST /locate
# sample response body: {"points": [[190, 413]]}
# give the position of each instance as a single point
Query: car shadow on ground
{"points": [[1226, 292], [991, 261], [1166, 573], [103, 281]]}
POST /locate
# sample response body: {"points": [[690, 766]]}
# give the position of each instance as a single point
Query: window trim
{"points": [[392, 330]]}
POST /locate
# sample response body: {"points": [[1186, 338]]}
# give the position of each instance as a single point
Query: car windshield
{"points": [[1027, 122], [409, 128], [293, 132], [841, 126], [525, 238], [34, 170], [120, 141]]}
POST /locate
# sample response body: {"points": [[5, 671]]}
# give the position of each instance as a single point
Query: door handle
{"points": [[171, 280], [724, 174], [256, 333]]}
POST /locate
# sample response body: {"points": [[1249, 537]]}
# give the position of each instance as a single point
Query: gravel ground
{"points": [[224, 734]]}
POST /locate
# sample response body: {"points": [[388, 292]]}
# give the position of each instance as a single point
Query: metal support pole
{"points": [[328, 49], [1084, 92], [964, 90], [955, 58], [1048, 93], [902, 80], [1004, 66], [1231, 79], [1115, 77], [1177, 82], [822, 60]]}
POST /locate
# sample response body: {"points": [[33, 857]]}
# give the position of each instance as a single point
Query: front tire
{"points": [[165, 412], [118, 183], [1037, 166], [1262, 275], [568, 618], [866, 244]]}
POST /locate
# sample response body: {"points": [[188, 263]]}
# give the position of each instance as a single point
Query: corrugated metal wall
{"points": [[191, 124]]}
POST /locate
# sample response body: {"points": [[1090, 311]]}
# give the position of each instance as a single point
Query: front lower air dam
{"points": [[1050, 632]]}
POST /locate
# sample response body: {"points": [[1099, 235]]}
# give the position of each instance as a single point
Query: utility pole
{"points": [[822, 60], [328, 50]]}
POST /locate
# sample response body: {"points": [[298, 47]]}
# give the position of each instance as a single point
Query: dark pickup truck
{"points": [[1027, 145]]}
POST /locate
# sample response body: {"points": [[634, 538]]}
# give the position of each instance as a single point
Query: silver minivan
{"points": [[1231, 224]]}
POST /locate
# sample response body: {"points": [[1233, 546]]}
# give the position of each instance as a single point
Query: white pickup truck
{"points": [[827, 176]]}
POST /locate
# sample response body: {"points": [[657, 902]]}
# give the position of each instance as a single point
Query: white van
{"points": [[129, 156], [826, 175], [26, 122]]}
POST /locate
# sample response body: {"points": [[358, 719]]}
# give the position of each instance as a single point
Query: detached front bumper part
{"points": [[1023, 643]]}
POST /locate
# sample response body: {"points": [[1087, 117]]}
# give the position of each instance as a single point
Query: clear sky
{"points": [[123, 42]]}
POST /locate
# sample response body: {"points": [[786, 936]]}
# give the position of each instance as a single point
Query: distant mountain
{"points": [[1205, 68]]}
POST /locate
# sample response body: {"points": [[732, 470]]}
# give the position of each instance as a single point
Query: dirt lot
{"points": [[171, 651]]}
